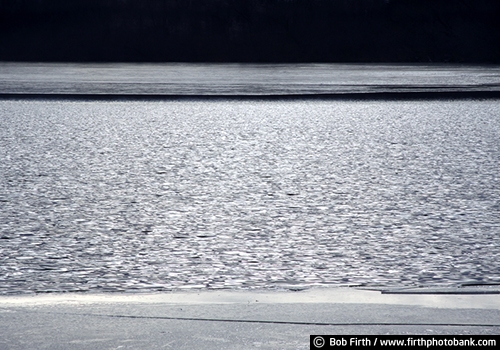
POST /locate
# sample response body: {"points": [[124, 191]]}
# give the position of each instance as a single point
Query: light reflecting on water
{"points": [[158, 195], [242, 79]]}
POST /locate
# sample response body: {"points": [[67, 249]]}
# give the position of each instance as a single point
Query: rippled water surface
{"points": [[160, 195], [242, 79]]}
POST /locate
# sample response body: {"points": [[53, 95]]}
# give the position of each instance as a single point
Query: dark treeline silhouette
{"points": [[251, 30]]}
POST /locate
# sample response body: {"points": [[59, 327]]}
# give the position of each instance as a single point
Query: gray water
{"points": [[162, 195], [242, 79]]}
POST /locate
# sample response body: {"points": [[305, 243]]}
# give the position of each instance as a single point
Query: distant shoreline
{"points": [[413, 95]]}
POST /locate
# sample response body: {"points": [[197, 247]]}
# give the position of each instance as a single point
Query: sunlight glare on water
{"points": [[161, 195]]}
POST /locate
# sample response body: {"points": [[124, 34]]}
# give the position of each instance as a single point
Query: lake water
{"points": [[242, 79], [138, 195]]}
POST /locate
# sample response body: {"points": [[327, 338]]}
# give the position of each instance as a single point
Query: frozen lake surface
{"points": [[161, 195]]}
